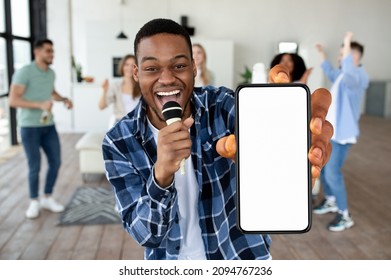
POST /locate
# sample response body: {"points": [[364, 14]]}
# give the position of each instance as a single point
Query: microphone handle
{"points": [[172, 120], [182, 163], [182, 167]]}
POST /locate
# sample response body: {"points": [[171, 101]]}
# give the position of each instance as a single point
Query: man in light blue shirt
{"points": [[349, 84]]}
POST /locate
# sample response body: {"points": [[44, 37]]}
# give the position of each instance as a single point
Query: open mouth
{"points": [[165, 96]]}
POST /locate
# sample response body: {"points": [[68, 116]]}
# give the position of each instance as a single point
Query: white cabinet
{"points": [[87, 117]]}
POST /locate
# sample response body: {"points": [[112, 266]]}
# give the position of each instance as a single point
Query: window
{"points": [[5, 139], [3, 68], [22, 53], [21, 22], [2, 17], [20, 16]]}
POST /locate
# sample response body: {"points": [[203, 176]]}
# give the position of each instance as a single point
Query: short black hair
{"points": [[276, 60], [39, 43], [357, 46], [158, 26], [299, 67]]}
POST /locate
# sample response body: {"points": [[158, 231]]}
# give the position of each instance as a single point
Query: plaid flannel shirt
{"points": [[150, 213]]}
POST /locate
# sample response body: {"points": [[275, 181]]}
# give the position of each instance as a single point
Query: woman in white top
{"points": [[124, 94], [204, 76]]}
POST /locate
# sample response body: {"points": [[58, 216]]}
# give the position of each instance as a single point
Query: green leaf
{"points": [[246, 75]]}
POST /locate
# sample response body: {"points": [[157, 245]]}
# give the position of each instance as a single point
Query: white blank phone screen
{"points": [[274, 183]]}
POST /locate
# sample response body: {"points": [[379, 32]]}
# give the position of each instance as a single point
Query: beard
{"points": [[48, 61]]}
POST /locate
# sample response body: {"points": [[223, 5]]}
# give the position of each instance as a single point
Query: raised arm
{"points": [[330, 72], [102, 104]]}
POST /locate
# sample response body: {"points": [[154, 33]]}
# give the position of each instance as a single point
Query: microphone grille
{"points": [[171, 109]]}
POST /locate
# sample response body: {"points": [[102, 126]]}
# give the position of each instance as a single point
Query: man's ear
{"points": [[135, 72]]}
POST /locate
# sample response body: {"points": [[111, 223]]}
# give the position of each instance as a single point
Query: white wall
{"points": [[59, 32], [255, 27]]}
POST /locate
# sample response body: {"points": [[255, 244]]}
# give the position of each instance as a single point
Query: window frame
{"points": [[38, 29]]}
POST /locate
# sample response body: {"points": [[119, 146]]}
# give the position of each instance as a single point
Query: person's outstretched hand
{"points": [[105, 85], [321, 130], [226, 147]]}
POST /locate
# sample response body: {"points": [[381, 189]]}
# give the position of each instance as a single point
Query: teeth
{"points": [[167, 93]]}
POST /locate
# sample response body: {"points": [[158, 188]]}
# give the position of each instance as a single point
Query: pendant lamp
{"points": [[121, 35]]}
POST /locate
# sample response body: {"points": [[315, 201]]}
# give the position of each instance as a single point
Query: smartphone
{"points": [[273, 172]]}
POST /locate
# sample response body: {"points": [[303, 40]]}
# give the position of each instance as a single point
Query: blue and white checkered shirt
{"points": [[150, 213]]}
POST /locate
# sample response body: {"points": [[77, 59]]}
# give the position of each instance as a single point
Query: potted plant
{"points": [[78, 69], [246, 75]]}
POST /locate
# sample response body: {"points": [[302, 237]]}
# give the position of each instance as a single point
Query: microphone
{"points": [[172, 112]]}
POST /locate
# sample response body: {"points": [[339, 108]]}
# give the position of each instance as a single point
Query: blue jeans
{"points": [[33, 138], [331, 176]]}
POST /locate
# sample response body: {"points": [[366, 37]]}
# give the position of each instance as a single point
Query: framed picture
{"points": [[116, 61]]}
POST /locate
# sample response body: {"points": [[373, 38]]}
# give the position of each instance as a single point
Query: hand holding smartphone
{"points": [[273, 170]]}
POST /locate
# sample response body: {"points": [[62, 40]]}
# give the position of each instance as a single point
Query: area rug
{"points": [[90, 206]]}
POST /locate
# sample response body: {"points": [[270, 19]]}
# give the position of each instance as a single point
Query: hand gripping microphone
{"points": [[172, 112]]}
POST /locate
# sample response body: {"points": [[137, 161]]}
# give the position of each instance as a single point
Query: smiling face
{"points": [[356, 55], [287, 61], [198, 55], [165, 71], [128, 67], [44, 54]]}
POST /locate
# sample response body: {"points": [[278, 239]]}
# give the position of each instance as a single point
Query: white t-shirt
{"points": [[198, 82], [129, 102], [192, 247]]}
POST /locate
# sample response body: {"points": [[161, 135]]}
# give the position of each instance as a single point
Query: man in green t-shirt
{"points": [[32, 91]]}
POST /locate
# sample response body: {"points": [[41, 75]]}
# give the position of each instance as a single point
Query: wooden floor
{"points": [[368, 179]]}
